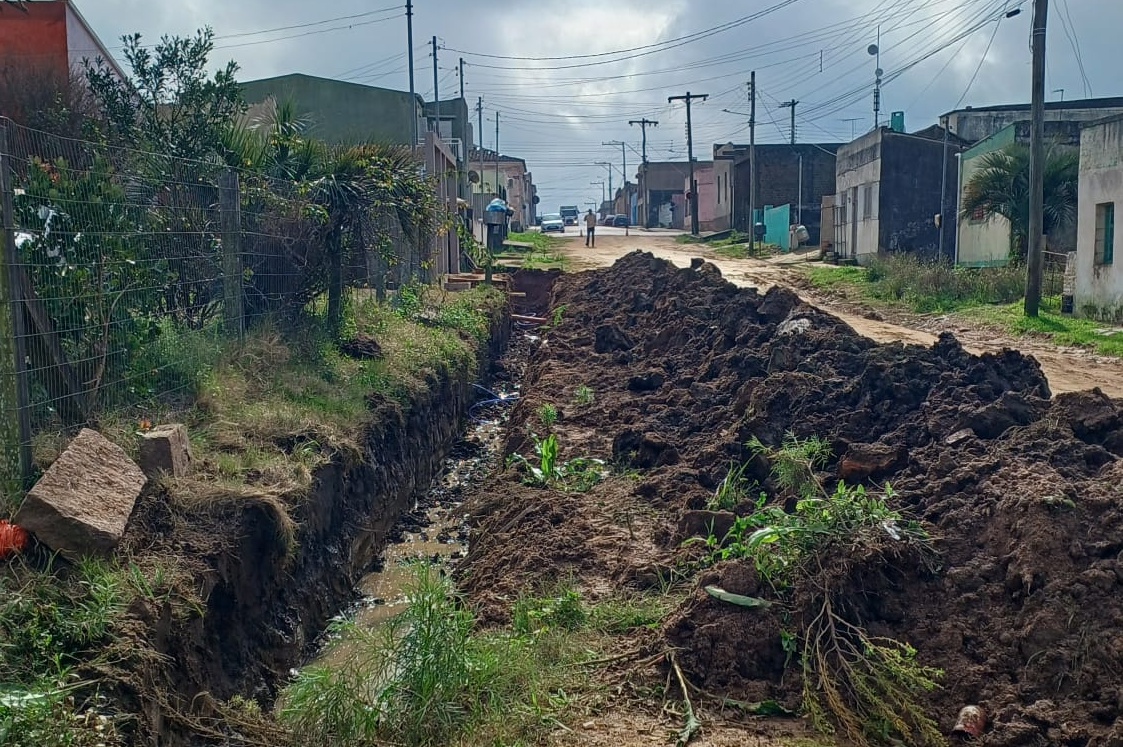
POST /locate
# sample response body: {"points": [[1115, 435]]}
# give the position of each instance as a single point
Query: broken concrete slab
{"points": [[82, 504], [166, 450]]}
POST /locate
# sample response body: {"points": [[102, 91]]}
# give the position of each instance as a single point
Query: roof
{"points": [[1103, 121], [1112, 102], [106, 57]]}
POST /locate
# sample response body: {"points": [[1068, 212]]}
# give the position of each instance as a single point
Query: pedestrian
{"points": [[590, 228]]}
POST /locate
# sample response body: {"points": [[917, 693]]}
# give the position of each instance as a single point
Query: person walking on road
{"points": [[590, 229]]}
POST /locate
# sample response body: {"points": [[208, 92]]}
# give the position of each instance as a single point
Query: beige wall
{"points": [[1099, 287]]}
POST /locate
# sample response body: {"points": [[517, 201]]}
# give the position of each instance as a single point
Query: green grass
{"points": [[542, 242], [924, 287], [992, 295], [284, 401], [1059, 329]]}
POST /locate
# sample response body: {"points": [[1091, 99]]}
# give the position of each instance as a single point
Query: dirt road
{"points": [[1068, 369]]}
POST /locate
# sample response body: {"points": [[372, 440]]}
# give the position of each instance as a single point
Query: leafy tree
{"points": [[1001, 188], [170, 105]]}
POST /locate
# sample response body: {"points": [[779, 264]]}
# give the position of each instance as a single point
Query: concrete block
{"points": [[82, 505], [166, 450]]}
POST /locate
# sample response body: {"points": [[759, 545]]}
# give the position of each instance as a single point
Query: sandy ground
{"points": [[1068, 369]]}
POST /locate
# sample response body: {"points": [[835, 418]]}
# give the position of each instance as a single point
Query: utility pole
{"points": [[603, 199], [608, 166], [462, 78], [643, 125], [497, 192], [1036, 249], [752, 157], [689, 97], [624, 169], [409, 52], [791, 105], [436, 93], [943, 185]]}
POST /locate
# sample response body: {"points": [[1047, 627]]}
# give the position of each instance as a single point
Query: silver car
{"points": [[553, 222]]}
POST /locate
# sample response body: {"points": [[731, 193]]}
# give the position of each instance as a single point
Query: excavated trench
{"points": [[265, 608]]}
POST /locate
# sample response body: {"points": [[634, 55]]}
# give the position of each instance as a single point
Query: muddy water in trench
{"points": [[436, 530]]}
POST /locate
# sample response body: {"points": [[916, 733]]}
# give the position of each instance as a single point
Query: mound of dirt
{"points": [[1021, 490]]}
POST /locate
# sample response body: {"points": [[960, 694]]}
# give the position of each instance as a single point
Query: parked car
{"points": [[553, 222], [608, 220], [620, 221]]}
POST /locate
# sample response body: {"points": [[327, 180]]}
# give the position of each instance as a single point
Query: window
{"points": [[867, 202], [1105, 233], [719, 189], [978, 215]]}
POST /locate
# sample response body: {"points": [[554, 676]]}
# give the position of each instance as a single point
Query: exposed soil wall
{"points": [[265, 599]]}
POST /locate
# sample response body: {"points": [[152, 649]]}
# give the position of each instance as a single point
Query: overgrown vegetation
{"points": [[430, 677], [56, 628], [544, 252], [814, 558], [926, 286]]}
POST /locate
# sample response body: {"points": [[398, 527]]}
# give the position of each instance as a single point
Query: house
{"points": [[707, 199], [342, 112], [44, 46], [50, 38], [978, 123], [495, 175], [662, 193], [626, 202], [889, 186], [984, 241], [791, 178], [1098, 291]]}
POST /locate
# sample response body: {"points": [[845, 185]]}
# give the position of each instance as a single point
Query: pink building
{"points": [[707, 198]]}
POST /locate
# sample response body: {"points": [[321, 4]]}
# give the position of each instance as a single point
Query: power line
{"points": [[997, 25], [1070, 31]]}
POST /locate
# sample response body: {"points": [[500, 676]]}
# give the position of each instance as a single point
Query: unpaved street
{"points": [[1067, 369]]}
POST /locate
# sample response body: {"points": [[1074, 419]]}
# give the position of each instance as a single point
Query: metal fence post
{"points": [[230, 208], [15, 432]]}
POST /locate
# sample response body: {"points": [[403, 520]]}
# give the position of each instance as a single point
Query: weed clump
{"points": [[819, 559]]}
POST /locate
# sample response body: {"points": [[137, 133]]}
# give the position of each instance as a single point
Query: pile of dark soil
{"points": [[1021, 491]]}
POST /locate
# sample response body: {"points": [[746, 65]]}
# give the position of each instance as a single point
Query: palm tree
{"points": [[1001, 188]]}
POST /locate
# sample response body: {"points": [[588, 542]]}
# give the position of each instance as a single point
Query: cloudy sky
{"points": [[567, 76]]}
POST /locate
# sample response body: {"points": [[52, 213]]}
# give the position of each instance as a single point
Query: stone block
{"points": [[166, 450], [82, 504]]}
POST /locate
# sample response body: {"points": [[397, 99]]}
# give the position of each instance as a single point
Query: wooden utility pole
{"points": [[752, 157], [791, 105], [1035, 264], [409, 53], [689, 97], [15, 395], [624, 169], [643, 125]]}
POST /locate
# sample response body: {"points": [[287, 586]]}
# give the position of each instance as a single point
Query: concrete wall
{"points": [[707, 198], [35, 38], [910, 194], [441, 161], [778, 181], [858, 170], [724, 176], [342, 112], [1099, 287], [982, 242], [980, 123]]}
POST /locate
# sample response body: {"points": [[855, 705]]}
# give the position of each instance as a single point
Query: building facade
{"points": [[978, 123], [49, 38], [985, 241], [495, 175], [346, 113], [889, 193], [662, 193], [707, 195], [794, 175], [1098, 291]]}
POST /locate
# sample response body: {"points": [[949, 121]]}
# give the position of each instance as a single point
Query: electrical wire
{"points": [[1070, 31]]}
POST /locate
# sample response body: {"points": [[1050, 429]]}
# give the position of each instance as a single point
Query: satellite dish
{"points": [[872, 49], [473, 177]]}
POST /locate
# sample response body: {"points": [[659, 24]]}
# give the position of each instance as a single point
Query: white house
{"points": [[1099, 277]]}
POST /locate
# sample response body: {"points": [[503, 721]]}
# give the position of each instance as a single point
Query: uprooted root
{"points": [[868, 685]]}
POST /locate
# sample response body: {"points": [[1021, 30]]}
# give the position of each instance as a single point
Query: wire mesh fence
{"points": [[112, 254]]}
